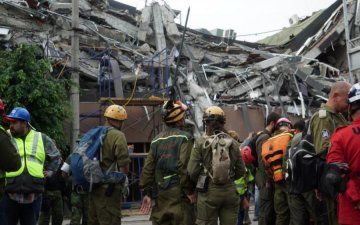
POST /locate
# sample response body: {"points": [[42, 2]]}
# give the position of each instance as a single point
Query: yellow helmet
{"points": [[214, 113], [173, 111], [115, 112]]}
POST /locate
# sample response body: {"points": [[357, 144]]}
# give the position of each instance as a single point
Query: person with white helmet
{"points": [[344, 150], [105, 201], [164, 171], [39, 159]]}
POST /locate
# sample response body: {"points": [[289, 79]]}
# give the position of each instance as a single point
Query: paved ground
{"points": [[134, 217]]}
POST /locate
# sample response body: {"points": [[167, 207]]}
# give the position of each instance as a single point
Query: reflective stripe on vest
{"points": [[32, 154]]}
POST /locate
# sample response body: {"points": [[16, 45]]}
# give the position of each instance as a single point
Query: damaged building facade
{"points": [[141, 58]]}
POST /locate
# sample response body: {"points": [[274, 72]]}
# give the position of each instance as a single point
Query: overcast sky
{"points": [[245, 17]]}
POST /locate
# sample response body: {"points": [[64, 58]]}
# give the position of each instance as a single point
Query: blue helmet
{"points": [[354, 93], [19, 113]]}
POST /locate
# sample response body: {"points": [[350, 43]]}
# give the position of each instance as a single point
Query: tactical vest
{"points": [[29, 178], [166, 149], [272, 153]]}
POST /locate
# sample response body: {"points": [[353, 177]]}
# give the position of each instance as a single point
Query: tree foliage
{"points": [[26, 81]]}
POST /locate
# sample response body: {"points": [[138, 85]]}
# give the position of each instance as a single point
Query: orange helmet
{"points": [[247, 155]]}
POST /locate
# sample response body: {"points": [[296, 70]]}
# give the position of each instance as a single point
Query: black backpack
{"points": [[306, 170], [302, 168]]}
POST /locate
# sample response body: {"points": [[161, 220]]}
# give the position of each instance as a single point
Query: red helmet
{"points": [[247, 156]]}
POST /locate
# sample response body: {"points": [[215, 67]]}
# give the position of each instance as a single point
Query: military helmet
{"points": [[354, 93], [115, 112], [172, 112], [214, 113]]}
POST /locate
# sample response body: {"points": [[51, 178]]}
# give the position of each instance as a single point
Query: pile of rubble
{"points": [[145, 51]]}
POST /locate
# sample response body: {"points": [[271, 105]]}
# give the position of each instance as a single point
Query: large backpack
{"points": [[86, 158], [219, 144], [301, 166], [306, 171], [272, 153]]}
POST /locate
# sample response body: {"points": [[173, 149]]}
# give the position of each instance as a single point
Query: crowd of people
{"points": [[185, 180], [205, 180], [34, 177]]}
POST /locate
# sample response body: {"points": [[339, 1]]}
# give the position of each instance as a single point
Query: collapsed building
{"points": [[144, 55], [141, 58]]}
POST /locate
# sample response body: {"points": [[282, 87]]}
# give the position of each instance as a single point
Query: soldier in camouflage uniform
{"points": [[52, 202], [322, 125], [165, 172], [79, 198], [79, 207]]}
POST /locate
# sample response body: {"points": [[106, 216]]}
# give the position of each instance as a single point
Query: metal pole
{"points": [[348, 42], [181, 47], [74, 92]]}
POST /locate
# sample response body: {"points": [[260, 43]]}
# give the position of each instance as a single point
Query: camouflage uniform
{"points": [[52, 202], [323, 124], [219, 201], [52, 206], [105, 201], [169, 176], [79, 206]]}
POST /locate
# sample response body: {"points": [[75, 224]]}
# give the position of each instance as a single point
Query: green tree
{"points": [[26, 81]]}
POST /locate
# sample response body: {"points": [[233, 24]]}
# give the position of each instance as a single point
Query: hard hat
{"points": [[354, 93], [115, 112], [19, 113], [283, 122], [173, 111], [214, 113], [247, 155]]}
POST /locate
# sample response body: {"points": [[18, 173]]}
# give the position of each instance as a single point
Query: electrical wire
{"points": [[134, 88]]}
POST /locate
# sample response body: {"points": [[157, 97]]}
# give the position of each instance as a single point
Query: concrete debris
{"points": [[212, 70]]}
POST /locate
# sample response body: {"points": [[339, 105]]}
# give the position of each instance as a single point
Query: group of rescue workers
{"points": [[204, 181], [185, 180]]}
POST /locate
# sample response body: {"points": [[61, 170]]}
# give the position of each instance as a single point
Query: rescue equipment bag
{"points": [[219, 144], [86, 158], [272, 153]]}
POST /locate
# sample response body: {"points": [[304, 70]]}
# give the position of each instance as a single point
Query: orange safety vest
{"points": [[272, 152]]}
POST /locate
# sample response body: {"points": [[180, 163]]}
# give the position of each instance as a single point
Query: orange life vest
{"points": [[272, 152]]}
